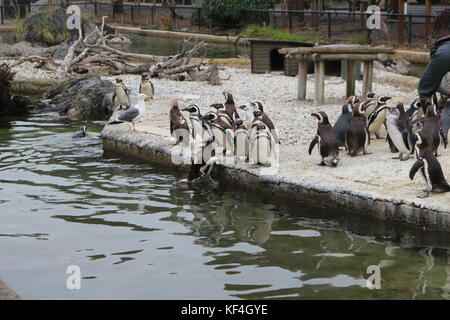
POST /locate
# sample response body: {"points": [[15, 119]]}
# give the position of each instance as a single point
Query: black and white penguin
{"points": [[400, 131], [266, 120], [429, 167], [376, 116], [247, 117], [261, 145], [121, 95], [222, 113], [357, 137], [146, 87], [374, 103], [432, 128], [196, 119], [222, 131], [179, 128], [241, 141], [80, 133], [327, 140], [341, 125]]}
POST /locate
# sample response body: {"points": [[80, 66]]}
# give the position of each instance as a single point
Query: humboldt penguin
{"points": [[400, 131], [121, 95], [241, 141], [327, 140], [248, 109], [230, 107], [374, 103], [376, 116], [80, 133], [429, 167], [222, 131], [266, 120], [146, 87], [198, 127], [179, 128], [261, 145], [432, 128], [341, 125], [357, 137], [222, 113]]}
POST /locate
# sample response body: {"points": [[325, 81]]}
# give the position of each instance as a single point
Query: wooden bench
{"points": [[320, 54]]}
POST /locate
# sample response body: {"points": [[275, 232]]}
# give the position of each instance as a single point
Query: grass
{"points": [[255, 31], [362, 39]]}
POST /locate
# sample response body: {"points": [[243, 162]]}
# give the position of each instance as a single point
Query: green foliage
{"points": [[362, 39], [256, 31], [231, 13], [43, 27]]}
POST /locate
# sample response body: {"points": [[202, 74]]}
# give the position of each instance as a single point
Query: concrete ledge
{"points": [[182, 35], [7, 293], [156, 147]]}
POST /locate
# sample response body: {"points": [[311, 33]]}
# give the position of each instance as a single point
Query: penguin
{"points": [[374, 103], [266, 120], [241, 141], [230, 106], [400, 131], [179, 128], [341, 125], [223, 132], [261, 145], [121, 95], [432, 128], [415, 110], [257, 119], [376, 116], [81, 133], [429, 167], [445, 121], [357, 137], [327, 140], [222, 113], [146, 87], [196, 119], [353, 100], [248, 114]]}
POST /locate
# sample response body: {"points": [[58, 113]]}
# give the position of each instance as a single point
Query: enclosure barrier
{"points": [[328, 24]]}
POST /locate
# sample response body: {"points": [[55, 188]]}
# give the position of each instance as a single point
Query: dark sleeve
{"points": [[437, 68]]}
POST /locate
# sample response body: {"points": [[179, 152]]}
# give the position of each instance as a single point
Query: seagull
{"points": [[81, 133], [132, 113]]}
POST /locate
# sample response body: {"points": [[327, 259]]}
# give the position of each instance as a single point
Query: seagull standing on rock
{"points": [[132, 113]]}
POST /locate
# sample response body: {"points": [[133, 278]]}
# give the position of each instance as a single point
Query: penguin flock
{"points": [[247, 136], [418, 130]]}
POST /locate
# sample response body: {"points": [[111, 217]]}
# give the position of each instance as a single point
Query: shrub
{"points": [[231, 13]]}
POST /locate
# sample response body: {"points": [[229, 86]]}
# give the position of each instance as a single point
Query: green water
{"points": [[137, 236]]}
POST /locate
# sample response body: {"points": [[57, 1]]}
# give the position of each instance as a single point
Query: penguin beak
{"points": [[185, 109], [315, 115]]}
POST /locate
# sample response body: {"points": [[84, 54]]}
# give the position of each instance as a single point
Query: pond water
{"points": [[135, 235]]}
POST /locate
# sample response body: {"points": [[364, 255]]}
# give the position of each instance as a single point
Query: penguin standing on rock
{"points": [[342, 123], [241, 141], [222, 113], [222, 131], [198, 127], [230, 106], [429, 167], [400, 131], [327, 140], [146, 87], [261, 145], [121, 95], [266, 120], [248, 114], [376, 116], [179, 128], [357, 137]]}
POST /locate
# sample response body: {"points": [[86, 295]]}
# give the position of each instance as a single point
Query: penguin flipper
{"points": [[416, 166], [313, 144]]}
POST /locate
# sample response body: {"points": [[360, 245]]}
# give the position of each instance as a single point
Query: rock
{"points": [[396, 66], [23, 48], [87, 98]]}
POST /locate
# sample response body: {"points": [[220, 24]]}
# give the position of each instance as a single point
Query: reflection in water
{"points": [[136, 235]]}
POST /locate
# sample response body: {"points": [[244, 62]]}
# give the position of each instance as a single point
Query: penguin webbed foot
{"points": [[424, 194]]}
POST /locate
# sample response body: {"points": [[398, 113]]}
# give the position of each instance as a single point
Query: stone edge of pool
{"points": [[6, 293], [156, 148]]}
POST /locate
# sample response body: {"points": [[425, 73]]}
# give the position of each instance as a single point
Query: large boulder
{"points": [[87, 98]]}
